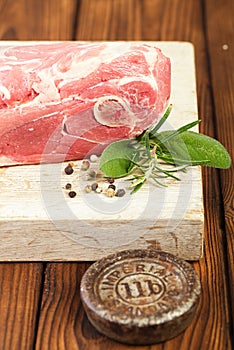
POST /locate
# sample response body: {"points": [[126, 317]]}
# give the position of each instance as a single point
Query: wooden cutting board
{"points": [[39, 221]]}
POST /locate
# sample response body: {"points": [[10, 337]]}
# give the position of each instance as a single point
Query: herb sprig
{"points": [[157, 155]]}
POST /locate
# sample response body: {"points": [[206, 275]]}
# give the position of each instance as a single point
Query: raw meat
{"points": [[62, 101]]}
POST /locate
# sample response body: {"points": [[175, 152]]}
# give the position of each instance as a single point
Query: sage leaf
{"points": [[193, 148], [117, 160]]}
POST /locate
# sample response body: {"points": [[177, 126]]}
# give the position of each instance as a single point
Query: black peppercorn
{"points": [[68, 186], [111, 180], [94, 186], [112, 186], [68, 170], [72, 194], [120, 192]]}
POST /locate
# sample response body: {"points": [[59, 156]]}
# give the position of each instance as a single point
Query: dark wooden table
{"points": [[40, 304]]}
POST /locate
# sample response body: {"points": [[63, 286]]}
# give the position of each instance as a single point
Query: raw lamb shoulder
{"points": [[63, 101]]}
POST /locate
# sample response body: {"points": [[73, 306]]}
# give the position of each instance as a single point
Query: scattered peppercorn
{"points": [[110, 192], [68, 186], [72, 194], [111, 180], [85, 165], [68, 170], [94, 186], [98, 189], [120, 192], [112, 186], [88, 189], [92, 174]]}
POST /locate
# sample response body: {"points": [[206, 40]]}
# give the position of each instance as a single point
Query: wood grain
{"points": [[20, 286], [62, 323], [109, 20], [37, 20]]}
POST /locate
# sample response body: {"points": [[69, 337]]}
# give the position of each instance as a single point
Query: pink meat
{"points": [[63, 101]]}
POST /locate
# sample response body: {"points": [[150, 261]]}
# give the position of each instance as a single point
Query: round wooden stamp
{"points": [[140, 296]]}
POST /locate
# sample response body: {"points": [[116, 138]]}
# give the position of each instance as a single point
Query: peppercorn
{"points": [[120, 192], [98, 189], [88, 189], [92, 174], [85, 165], [68, 170], [110, 192], [111, 180], [112, 186], [72, 194], [94, 186], [68, 186]]}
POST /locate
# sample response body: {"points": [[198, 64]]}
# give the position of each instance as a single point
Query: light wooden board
{"points": [[38, 221]]}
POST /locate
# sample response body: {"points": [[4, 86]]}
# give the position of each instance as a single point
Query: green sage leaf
{"points": [[117, 160], [193, 148]]}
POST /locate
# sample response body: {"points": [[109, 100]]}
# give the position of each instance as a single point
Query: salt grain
{"points": [[225, 47]]}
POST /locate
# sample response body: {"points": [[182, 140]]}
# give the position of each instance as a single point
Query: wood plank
{"points": [[168, 218], [109, 20], [20, 292], [37, 20], [62, 323], [220, 35]]}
